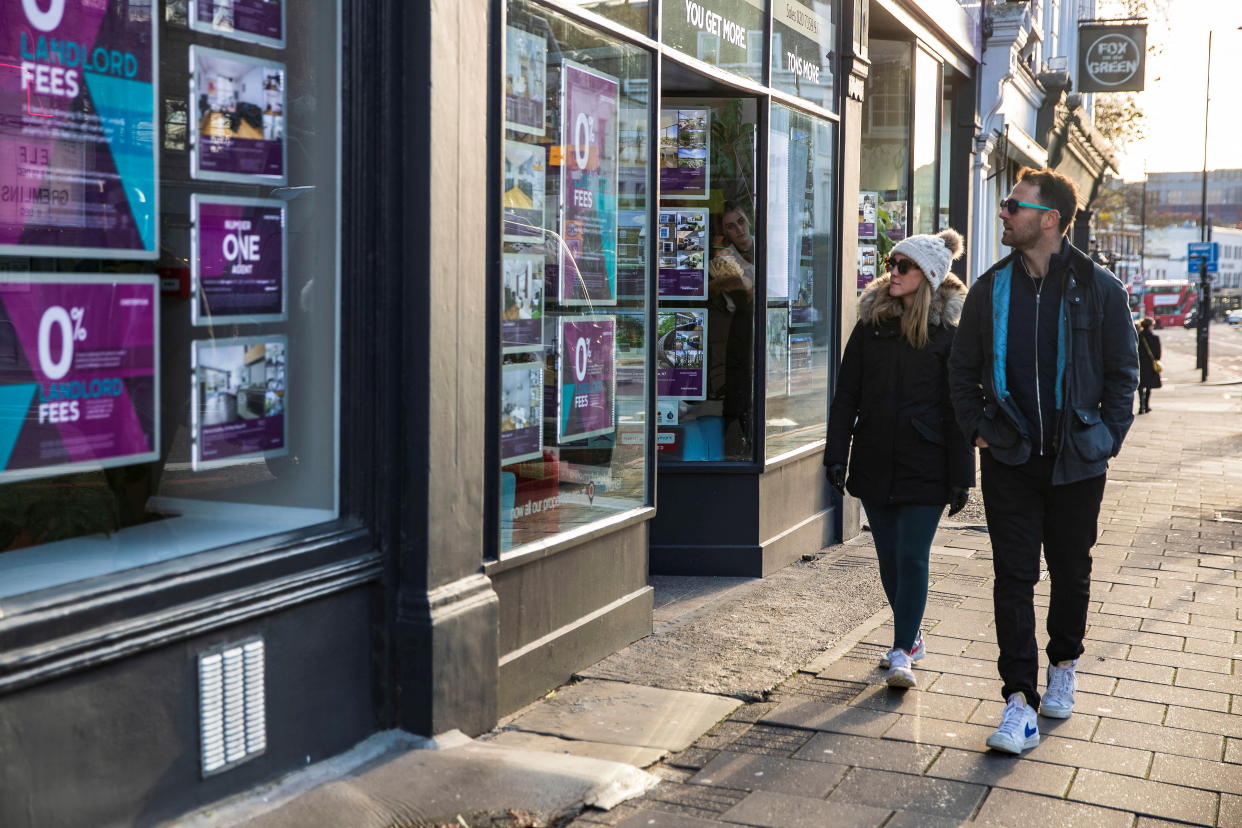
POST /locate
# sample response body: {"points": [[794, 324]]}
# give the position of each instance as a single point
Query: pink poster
{"points": [[587, 377]]}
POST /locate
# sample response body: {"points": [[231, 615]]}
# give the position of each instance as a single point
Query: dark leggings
{"points": [[903, 536], [1144, 397]]}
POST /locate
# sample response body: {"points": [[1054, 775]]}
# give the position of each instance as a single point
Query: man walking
{"points": [[1042, 376]]}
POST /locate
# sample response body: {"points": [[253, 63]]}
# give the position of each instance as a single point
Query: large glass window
{"points": [[801, 274], [633, 13], [927, 92], [572, 281], [708, 247], [168, 283], [724, 33], [883, 174], [803, 44]]}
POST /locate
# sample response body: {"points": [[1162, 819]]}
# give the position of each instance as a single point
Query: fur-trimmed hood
{"points": [[875, 305]]}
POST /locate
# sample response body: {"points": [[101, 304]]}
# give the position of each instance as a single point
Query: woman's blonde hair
{"points": [[914, 318]]}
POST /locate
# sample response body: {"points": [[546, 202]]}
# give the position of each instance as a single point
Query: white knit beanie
{"points": [[933, 254]]}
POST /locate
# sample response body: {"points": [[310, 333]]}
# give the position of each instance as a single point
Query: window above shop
{"points": [[804, 40], [728, 34]]}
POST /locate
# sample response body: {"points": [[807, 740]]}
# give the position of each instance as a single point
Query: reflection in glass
{"points": [[926, 131], [800, 275], [724, 33], [635, 14], [573, 284], [803, 40], [884, 158]]}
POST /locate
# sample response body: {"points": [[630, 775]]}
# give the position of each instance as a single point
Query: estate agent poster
{"points": [[777, 362], [867, 256], [525, 168], [254, 21], [685, 144], [589, 191], [238, 106], [681, 354], [867, 204], [78, 130], [239, 399], [526, 73], [79, 382], [521, 412], [239, 260], [521, 313], [586, 377], [683, 255]]}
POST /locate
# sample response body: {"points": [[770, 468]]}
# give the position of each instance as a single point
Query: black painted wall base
{"points": [[741, 524]]}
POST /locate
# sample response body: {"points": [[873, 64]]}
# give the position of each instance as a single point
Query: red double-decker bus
{"points": [[1169, 300]]}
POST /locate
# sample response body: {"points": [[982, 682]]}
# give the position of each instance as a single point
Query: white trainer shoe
{"points": [[900, 673], [1058, 700], [1019, 727], [916, 654]]}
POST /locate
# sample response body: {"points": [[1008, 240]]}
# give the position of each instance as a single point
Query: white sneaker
{"points": [[1058, 700], [900, 673], [916, 654], [1019, 728]]}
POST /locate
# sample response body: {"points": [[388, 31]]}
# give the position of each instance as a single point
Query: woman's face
{"points": [[903, 284]]}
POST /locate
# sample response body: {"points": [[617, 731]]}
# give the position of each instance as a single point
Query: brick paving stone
{"points": [[1115, 707], [1004, 807], [917, 703], [888, 790], [1190, 661], [1144, 796], [1233, 751], [1140, 639], [1218, 682], [1117, 622], [1169, 739], [853, 669], [881, 754], [750, 772], [927, 731], [1230, 810], [752, 712], [1204, 720], [657, 819], [805, 685], [968, 686], [1223, 649], [772, 741], [722, 735], [1080, 754], [1120, 668], [982, 650], [692, 758], [812, 714], [773, 810], [1187, 630], [1078, 726], [997, 770], [1197, 773], [960, 666], [913, 819], [1176, 616], [1198, 620], [1165, 694], [690, 800]]}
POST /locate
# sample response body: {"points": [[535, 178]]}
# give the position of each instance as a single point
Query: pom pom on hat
{"points": [[933, 254]]}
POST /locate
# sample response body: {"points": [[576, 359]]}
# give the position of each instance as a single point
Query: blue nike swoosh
{"points": [[1031, 731]]}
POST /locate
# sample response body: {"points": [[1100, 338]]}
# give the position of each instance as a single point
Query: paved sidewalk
{"points": [[1153, 740]]}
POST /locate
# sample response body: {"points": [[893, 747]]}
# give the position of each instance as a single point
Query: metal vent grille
{"points": [[232, 705]]}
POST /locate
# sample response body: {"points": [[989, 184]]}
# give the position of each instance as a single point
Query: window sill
{"points": [[545, 548]]}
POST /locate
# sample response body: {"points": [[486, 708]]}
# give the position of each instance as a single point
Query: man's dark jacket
{"points": [[1097, 369]]}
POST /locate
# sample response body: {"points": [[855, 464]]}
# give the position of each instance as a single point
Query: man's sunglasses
{"points": [[1011, 206], [902, 266]]}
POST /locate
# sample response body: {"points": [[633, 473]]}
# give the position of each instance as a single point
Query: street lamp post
{"points": [[1205, 284]]}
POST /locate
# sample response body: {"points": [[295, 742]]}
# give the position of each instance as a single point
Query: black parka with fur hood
{"points": [[892, 404]]}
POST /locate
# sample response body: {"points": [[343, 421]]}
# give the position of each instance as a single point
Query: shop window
{"points": [[724, 33], [883, 170], [168, 283], [573, 277], [803, 50], [636, 14], [946, 162], [800, 278], [707, 245], [925, 152]]}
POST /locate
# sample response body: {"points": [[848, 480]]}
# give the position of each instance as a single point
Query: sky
{"points": [[1173, 97]]}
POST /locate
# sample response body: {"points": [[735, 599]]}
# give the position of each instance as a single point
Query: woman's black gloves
{"points": [[957, 500], [836, 477]]}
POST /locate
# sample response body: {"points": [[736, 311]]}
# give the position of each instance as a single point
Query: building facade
{"points": [[378, 352]]}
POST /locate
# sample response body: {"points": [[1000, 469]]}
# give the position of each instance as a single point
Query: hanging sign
{"points": [[78, 126], [586, 375], [239, 259], [238, 106], [253, 21], [1111, 58], [239, 400], [79, 373]]}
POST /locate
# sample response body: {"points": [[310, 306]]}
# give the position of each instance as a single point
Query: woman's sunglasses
{"points": [[1012, 205], [902, 266]]}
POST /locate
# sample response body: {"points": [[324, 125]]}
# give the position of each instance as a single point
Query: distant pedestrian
{"points": [[1149, 363], [907, 458], [1043, 372]]}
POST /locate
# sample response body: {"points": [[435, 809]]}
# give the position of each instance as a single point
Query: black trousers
{"points": [[1024, 511]]}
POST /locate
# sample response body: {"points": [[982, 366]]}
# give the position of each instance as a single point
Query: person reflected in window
{"points": [[730, 307], [739, 242], [1149, 362]]}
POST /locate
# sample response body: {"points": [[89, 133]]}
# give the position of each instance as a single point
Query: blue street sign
{"points": [[1203, 250]]}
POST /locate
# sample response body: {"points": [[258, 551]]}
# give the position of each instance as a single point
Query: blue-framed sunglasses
{"points": [[1011, 205]]}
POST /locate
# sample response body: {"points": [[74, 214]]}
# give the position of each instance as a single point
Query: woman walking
{"points": [[892, 420], [1149, 362]]}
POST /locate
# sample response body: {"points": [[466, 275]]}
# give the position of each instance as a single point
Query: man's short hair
{"points": [[1055, 191]]}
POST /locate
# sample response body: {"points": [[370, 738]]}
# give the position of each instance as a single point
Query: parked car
{"points": [[1234, 317], [1192, 319]]}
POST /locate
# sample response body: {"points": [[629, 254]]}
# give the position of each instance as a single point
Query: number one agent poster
{"points": [[81, 389], [589, 192], [77, 130]]}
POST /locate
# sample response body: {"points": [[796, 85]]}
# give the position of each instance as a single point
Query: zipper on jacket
{"points": [[1039, 405]]}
